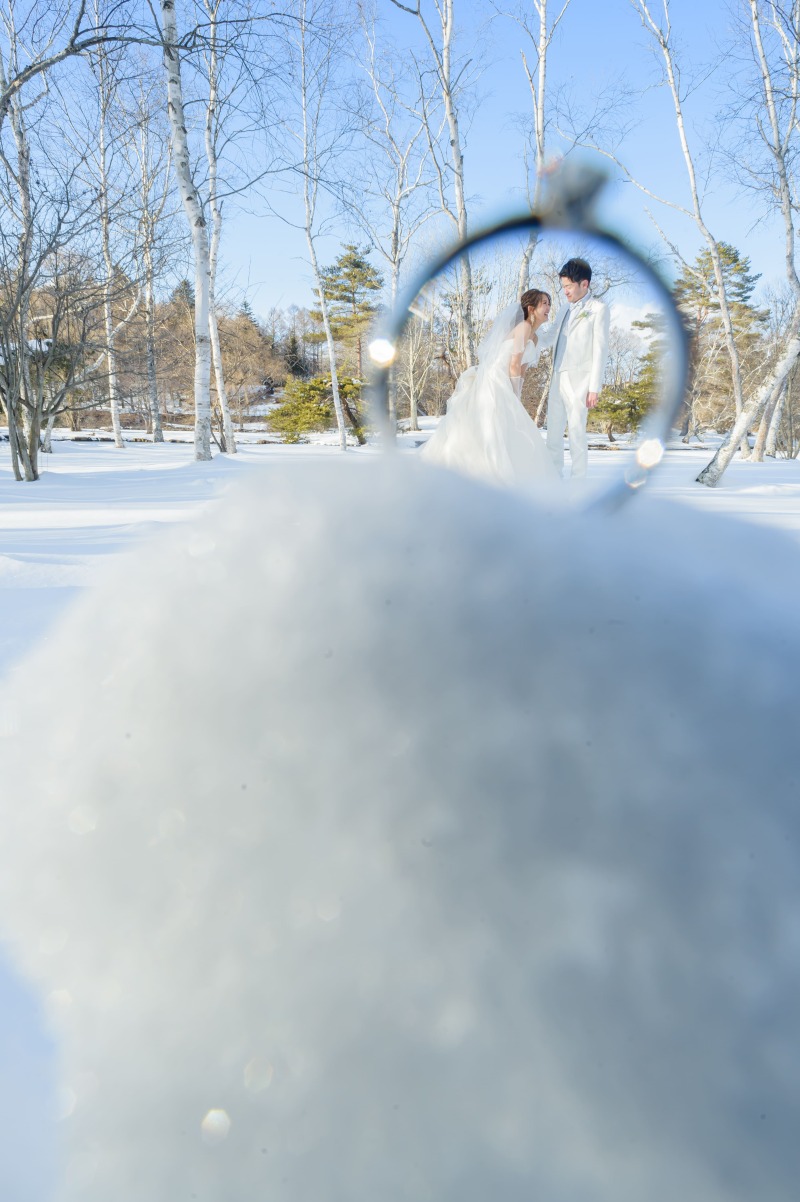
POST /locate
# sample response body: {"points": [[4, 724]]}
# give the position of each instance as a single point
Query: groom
{"points": [[579, 360]]}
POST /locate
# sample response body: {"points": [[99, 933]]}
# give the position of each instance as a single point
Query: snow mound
{"points": [[381, 836]]}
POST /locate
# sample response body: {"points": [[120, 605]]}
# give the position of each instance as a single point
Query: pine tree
{"points": [[307, 406], [296, 362], [183, 293], [697, 297], [696, 291], [349, 286], [625, 406], [643, 393]]}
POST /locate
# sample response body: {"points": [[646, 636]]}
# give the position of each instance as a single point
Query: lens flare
{"points": [[650, 453], [215, 1126], [382, 351]]}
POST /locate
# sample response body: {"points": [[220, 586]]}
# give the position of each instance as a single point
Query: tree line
{"points": [[129, 134]]}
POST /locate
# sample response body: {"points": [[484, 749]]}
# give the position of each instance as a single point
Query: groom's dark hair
{"points": [[576, 270]]}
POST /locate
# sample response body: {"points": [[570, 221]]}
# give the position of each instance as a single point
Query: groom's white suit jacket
{"points": [[582, 349]]}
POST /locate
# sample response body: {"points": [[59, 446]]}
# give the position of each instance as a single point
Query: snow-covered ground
{"points": [[94, 502], [93, 505], [767, 493]]}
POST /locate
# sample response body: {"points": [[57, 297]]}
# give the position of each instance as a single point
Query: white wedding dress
{"points": [[486, 432]]}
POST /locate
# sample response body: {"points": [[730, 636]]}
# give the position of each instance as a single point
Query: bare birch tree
{"points": [[218, 80], [105, 67], [661, 32], [212, 132], [150, 149], [16, 383], [775, 44], [539, 27], [195, 217], [775, 404], [50, 291], [318, 132], [54, 32], [391, 196], [775, 418], [439, 34]]}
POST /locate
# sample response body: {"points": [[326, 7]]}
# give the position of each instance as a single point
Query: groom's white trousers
{"points": [[566, 406]]}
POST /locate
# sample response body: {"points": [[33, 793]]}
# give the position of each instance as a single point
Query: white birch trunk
{"points": [[538, 91], [148, 222], [771, 448], [391, 384], [395, 259], [216, 230], [150, 340], [219, 381], [757, 453], [47, 440], [111, 355], [451, 113], [112, 388], [331, 346], [413, 407], [23, 429], [712, 473], [197, 225], [774, 403], [310, 182]]}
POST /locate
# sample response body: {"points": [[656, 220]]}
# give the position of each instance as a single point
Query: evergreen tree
{"points": [[625, 406], [697, 297], [296, 362], [307, 406], [643, 393], [696, 290], [350, 285], [183, 294]]}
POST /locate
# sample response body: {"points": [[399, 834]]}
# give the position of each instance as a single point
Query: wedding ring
{"points": [[639, 293]]}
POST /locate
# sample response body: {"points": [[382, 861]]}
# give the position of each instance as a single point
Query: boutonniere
{"points": [[583, 313]]}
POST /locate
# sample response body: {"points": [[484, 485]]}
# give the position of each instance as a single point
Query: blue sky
{"points": [[599, 43]]}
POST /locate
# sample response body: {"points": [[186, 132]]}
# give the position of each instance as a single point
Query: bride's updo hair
{"points": [[532, 299]]}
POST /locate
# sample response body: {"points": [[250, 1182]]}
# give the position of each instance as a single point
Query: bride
{"points": [[487, 432]]}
